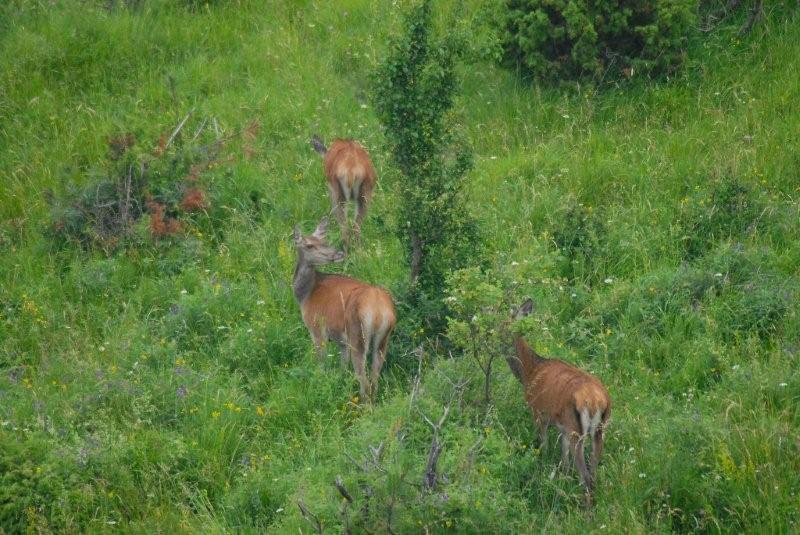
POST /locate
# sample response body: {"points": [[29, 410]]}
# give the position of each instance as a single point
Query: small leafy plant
{"points": [[164, 182]]}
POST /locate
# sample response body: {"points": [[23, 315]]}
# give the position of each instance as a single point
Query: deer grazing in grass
{"points": [[351, 177], [359, 317], [558, 394]]}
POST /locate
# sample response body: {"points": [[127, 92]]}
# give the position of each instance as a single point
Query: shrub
{"points": [[478, 310], [731, 211], [414, 94], [557, 39]]}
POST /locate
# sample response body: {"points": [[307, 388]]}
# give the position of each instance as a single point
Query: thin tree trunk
{"points": [[487, 398], [416, 257], [755, 13]]}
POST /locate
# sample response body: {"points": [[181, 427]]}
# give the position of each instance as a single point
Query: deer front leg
{"points": [[318, 338], [339, 205]]}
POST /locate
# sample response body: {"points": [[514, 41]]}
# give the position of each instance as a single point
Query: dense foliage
{"points": [[568, 39]]}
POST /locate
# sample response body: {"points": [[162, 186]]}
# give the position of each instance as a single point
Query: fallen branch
{"points": [[177, 130], [342, 490], [344, 510], [309, 516], [199, 130]]}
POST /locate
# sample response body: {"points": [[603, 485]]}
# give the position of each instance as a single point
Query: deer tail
{"points": [[591, 411]]}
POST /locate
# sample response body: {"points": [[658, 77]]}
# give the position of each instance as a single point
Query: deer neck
{"points": [[526, 358], [305, 278]]}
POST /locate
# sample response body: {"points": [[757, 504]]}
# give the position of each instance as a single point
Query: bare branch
{"points": [[356, 463], [430, 477], [755, 13], [433, 459], [377, 453], [443, 418]]}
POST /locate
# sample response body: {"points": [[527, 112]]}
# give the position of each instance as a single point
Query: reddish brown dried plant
{"points": [[194, 200], [160, 224]]}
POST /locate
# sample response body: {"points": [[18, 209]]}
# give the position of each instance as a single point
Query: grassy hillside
{"points": [[170, 386]]}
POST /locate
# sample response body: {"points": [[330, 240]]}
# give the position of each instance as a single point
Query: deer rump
{"points": [[557, 392], [351, 176]]}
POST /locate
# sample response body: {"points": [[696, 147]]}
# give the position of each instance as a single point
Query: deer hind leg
{"points": [[597, 450], [344, 350], [378, 358], [542, 425], [577, 446], [362, 201], [358, 354]]}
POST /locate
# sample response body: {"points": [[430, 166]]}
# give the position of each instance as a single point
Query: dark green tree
{"points": [[414, 92]]}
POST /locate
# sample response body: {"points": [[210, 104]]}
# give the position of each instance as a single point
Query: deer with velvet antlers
{"points": [[351, 177], [559, 394], [357, 316]]}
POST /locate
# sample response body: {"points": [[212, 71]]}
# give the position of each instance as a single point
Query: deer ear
{"points": [[526, 308], [318, 145], [322, 228], [298, 236]]}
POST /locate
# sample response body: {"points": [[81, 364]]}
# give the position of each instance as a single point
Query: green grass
{"points": [[171, 386]]}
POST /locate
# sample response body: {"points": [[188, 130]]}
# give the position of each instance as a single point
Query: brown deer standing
{"points": [[359, 317], [558, 394], [351, 177]]}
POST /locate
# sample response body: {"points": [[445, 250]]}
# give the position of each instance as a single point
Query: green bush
{"points": [[557, 39]]}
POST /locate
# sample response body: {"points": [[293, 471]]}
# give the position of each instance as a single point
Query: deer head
{"points": [[523, 310], [313, 249]]}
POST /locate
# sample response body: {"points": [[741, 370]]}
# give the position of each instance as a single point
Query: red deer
{"points": [[357, 316], [351, 177], [558, 394]]}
